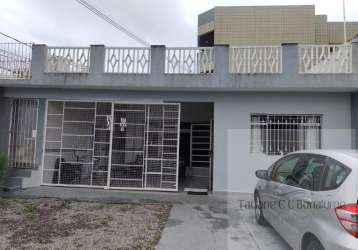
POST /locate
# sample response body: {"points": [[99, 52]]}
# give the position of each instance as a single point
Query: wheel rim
{"points": [[257, 208]]}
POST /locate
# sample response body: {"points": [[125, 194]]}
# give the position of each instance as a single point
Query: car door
{"points": [[329, 195], [277, 190], [304, 180]]}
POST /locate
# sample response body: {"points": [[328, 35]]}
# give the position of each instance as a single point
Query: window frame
{"points": [[303, 156], [23, 133], [319, 187], [325, 173], [257, 146], [278, 163]]}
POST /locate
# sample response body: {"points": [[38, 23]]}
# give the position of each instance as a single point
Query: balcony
{"points": [[15, 60], [189, 60], [256, 60], [325, 59], [127, 60], [68, 60], [221, 67]]}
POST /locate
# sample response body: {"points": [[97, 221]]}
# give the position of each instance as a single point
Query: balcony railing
{"points": [[68, 60], [325, 59], [189, 60], [15, 60], [255, 60], [127, 60]]}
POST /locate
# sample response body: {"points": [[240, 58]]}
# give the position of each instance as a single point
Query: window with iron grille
{"points": [[274, 134], [23, 133]]}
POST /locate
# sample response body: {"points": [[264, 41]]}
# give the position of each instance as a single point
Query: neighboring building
{"points": [[165, 118], [269, 25]]}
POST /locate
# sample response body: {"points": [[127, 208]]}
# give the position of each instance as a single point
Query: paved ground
{"points": [[218, 221], [217, 224]]}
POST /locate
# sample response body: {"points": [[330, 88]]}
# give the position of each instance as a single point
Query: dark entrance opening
{"points": [[196, 146]]}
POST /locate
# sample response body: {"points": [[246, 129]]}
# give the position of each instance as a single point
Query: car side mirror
{"points": [[262, 174]]}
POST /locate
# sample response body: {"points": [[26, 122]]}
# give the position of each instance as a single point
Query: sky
{"points": [[167, 22]]}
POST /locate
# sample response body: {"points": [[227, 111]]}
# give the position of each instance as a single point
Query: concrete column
{"points": [[39, 61], [354, 98], [157, 62], [355, 56], [290, 60], [97, 57], [5, 107], [221, 55]]}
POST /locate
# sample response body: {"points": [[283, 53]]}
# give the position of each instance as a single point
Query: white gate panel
{"points": [[77, 142], [162, 146], [145, 146], [127, 165], [112, 145]]}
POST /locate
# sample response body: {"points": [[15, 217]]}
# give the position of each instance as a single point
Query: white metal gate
{"points": [[200, 150], [112, 145], [23, 133]]}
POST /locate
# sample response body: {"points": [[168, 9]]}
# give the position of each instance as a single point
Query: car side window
{"points": [[335, 175], [307, 174], [285, 168]]}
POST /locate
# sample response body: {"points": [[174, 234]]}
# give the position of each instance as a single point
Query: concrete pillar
{"points": [[39, 61], [97, 57], [157, 63], [221, 55], [355, 57], [354, 98], [5, 107], [290, 60]]}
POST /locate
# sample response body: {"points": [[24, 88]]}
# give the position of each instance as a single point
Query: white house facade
{"points": [[166, 119]]}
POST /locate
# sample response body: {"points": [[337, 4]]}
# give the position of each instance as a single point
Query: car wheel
{"points": [[314, 245], [258, 211]]}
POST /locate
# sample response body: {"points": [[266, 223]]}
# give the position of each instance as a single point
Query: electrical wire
{"points": [[109, 20], [8, 36]]}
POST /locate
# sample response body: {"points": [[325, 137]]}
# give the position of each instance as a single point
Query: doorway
{"points": [[196, 146]]}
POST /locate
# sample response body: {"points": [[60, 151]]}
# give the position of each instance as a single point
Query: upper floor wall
{"points": [[270, 25], [219, 68]]}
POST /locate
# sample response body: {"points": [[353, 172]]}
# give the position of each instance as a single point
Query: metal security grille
{"points": [[23, 130], [281, 134], [162, 146], [69, 145], [106, 144], [200, 154], [200, 148], [15, 60], [127, 166]]}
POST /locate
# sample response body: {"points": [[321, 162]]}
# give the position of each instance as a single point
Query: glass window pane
{"points": [[285, 169], [336, 174]]}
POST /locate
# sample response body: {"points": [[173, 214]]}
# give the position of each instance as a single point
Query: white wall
{"points": [[234, 165]]}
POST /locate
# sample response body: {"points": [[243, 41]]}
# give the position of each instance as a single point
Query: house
{"points": [[270, 25], [163, 118]]}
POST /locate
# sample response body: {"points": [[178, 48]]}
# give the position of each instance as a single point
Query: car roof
{"points": [[338, 154]]}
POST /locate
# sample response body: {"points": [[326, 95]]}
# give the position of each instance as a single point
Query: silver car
{"points": [[311, 199]]}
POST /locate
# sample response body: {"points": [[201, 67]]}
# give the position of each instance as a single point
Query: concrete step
{"points": [[11, 183], [196, 191], [19, 172]]}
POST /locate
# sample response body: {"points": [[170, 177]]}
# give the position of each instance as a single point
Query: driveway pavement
{"points": [[218, 224], [218, 221]]}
